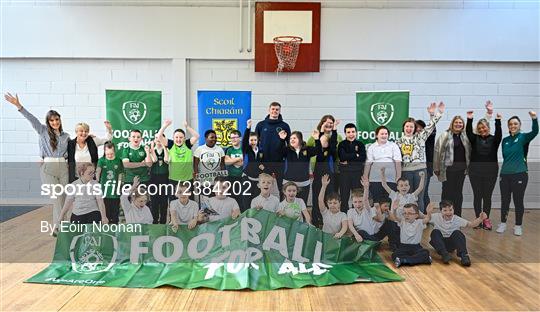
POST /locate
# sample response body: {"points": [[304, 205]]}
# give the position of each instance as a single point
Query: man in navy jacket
{"points": [[270, 143]]}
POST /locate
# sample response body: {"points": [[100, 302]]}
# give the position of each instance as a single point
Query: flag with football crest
{"points": [[128, 110], [380, 108]]}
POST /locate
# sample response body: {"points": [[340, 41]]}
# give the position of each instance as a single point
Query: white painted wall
{"points": [[509, 34]]}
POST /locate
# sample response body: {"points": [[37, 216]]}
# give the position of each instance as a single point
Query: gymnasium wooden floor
{"points": [[505, 275]]}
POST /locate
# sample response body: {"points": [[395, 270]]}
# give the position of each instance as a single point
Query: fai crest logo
{"points": [[382, 113], [134, 111], [210, 161], [223, 128], [93, 252]]}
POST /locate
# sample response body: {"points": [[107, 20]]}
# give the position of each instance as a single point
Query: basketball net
{"points": [[287, 48]]}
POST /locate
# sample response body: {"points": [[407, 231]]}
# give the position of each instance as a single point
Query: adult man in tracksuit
{"points": [[270, 143]]}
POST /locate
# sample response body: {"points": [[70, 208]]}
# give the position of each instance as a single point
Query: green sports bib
{"points": [[180, 163]]}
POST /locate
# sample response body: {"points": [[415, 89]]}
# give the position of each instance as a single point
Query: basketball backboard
{"points": [[298, 19]]}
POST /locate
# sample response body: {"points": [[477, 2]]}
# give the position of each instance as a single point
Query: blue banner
{"points": [[223, 111]]}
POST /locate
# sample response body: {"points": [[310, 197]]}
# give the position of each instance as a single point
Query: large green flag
{"points": [[128, 110], [259, 250], [381, 108]]}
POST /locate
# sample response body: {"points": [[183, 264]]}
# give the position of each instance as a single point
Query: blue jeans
{"points": [[414, 182]]}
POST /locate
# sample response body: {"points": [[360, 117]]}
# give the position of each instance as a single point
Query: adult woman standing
{"points": [[514, 176], [450, 162], [84, 147], [53, 143], [484, 166], [413, 149], [382, 154]]}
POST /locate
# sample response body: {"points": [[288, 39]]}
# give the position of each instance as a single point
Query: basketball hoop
{"points": [[287, 48]]}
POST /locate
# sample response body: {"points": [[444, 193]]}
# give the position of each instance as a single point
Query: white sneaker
{"points": [[518, 230], [501, 228]]}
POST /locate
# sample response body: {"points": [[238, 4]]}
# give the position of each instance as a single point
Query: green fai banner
{"points": [[128, 110], [381, 108], [258, 250]]}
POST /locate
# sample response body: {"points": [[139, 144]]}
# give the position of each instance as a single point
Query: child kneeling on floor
{"points": [[183, 210], [334, 220], [265, 200], [293, 207], [410, 251], [370, 223], [447, 236], [134, 204], [221, 206]]}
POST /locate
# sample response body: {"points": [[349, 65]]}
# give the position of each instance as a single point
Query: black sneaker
{"points": [[397, 262], [465, 261], [446, 258]]}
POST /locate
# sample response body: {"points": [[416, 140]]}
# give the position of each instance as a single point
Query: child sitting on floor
{"points": [[447, 236], [370, 223], [410, 251]]}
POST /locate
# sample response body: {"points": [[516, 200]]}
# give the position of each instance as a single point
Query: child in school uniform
{"points": [[86, 208], [410, 251], [334, 220], [109, 173], [134, 206], [265, 200], [252, 164], [370, 223], [159, 176], [297, 156], [447, 236], [220, 206], [352, 156], [293, 207], [184, 211], [324, 165], [402, 195]]}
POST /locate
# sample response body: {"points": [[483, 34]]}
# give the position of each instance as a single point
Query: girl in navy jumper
{"points": [[297, 156], [324, 165], [253, 166]]}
